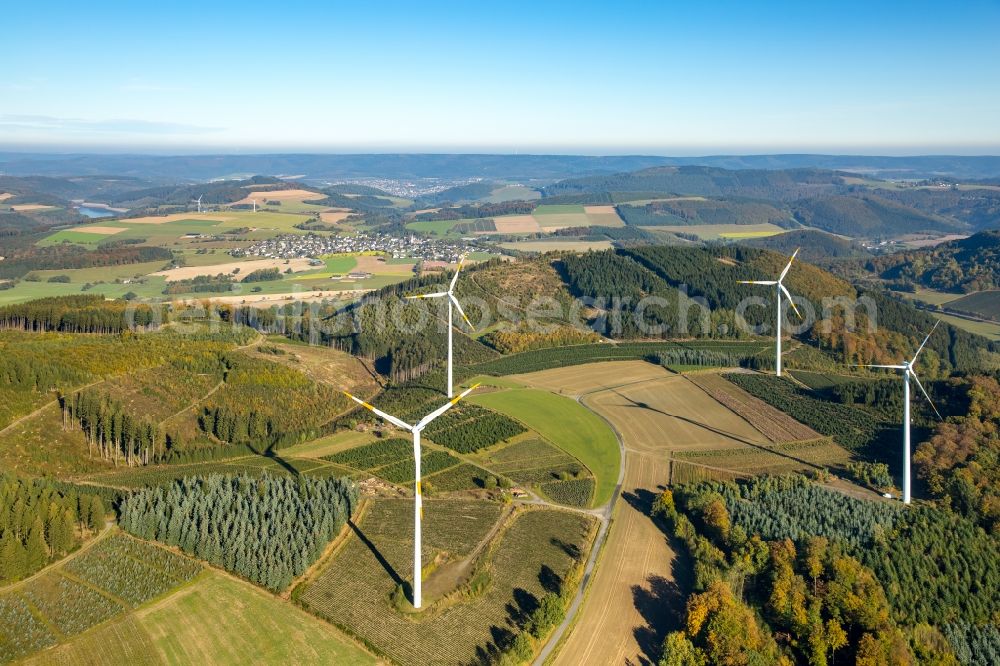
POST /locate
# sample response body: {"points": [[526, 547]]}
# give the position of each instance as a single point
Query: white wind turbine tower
{"points": [[908, 374], [780, 290], [450, 294], [418, 510], [198, 201]]}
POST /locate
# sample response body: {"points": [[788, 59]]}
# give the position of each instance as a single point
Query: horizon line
{"points": [[537, 151]]}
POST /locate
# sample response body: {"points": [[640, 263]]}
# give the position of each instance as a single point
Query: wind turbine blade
{"points": [[769, 283], [789, 266], [445, 407], [391, 419], [437, 294], [922, 390], [454, 278], [790, 301], [461, 311], [890, 367], [921, 347]]}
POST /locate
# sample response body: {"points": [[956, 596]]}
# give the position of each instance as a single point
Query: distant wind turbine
{"points": [[780, 290], [418, 511], [198, 201], [451, 301], [908, 374]]}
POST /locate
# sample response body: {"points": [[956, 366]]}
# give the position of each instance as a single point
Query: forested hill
{"points": [[211, 193], [834, 201], [961, 266], [815, 246], [57, 191], [707, 181]]}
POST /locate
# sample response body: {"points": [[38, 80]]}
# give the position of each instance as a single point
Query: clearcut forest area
{"points": [[183, 479]]}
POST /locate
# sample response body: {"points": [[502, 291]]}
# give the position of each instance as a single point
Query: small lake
{"points": [[94, 213]]}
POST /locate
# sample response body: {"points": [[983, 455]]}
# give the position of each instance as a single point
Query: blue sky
{"points": [[591, 77]]}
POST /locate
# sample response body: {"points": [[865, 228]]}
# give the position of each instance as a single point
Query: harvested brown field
{"points": [[246, 267], [267, 300], [776, 459], [174, 217], [6, 195], [772, 423], [603, 216], [516, 224], [377, 265], [24, 208], [634, 594], [633, 598], [323, 364], [910, 241], [278, 195], [334, 215], [670, 429], [558, 246], [672, 414], [104, 231], [579, 379]]}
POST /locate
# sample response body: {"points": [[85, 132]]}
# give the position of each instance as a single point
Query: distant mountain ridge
{"points": [[187, 168]]}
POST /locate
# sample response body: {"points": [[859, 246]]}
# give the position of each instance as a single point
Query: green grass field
{"points": [[984, 328], [214, 620], [568, 425], [71, 236], [108, 273], [718, 231], [262, 225], [435, 227], [513, 193], [222, 621], [26, 291], [932, 297], [341, 263]]}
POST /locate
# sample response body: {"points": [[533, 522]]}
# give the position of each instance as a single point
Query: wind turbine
{"points": [[908, 374], [451, 301], [780, 290], [418, 510], [198, 201]]}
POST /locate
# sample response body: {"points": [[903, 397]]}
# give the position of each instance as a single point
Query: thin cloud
{"points": [[106, 126]]}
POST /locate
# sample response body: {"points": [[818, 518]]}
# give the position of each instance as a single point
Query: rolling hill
{"points": [[816, 246], [961, 266]]}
